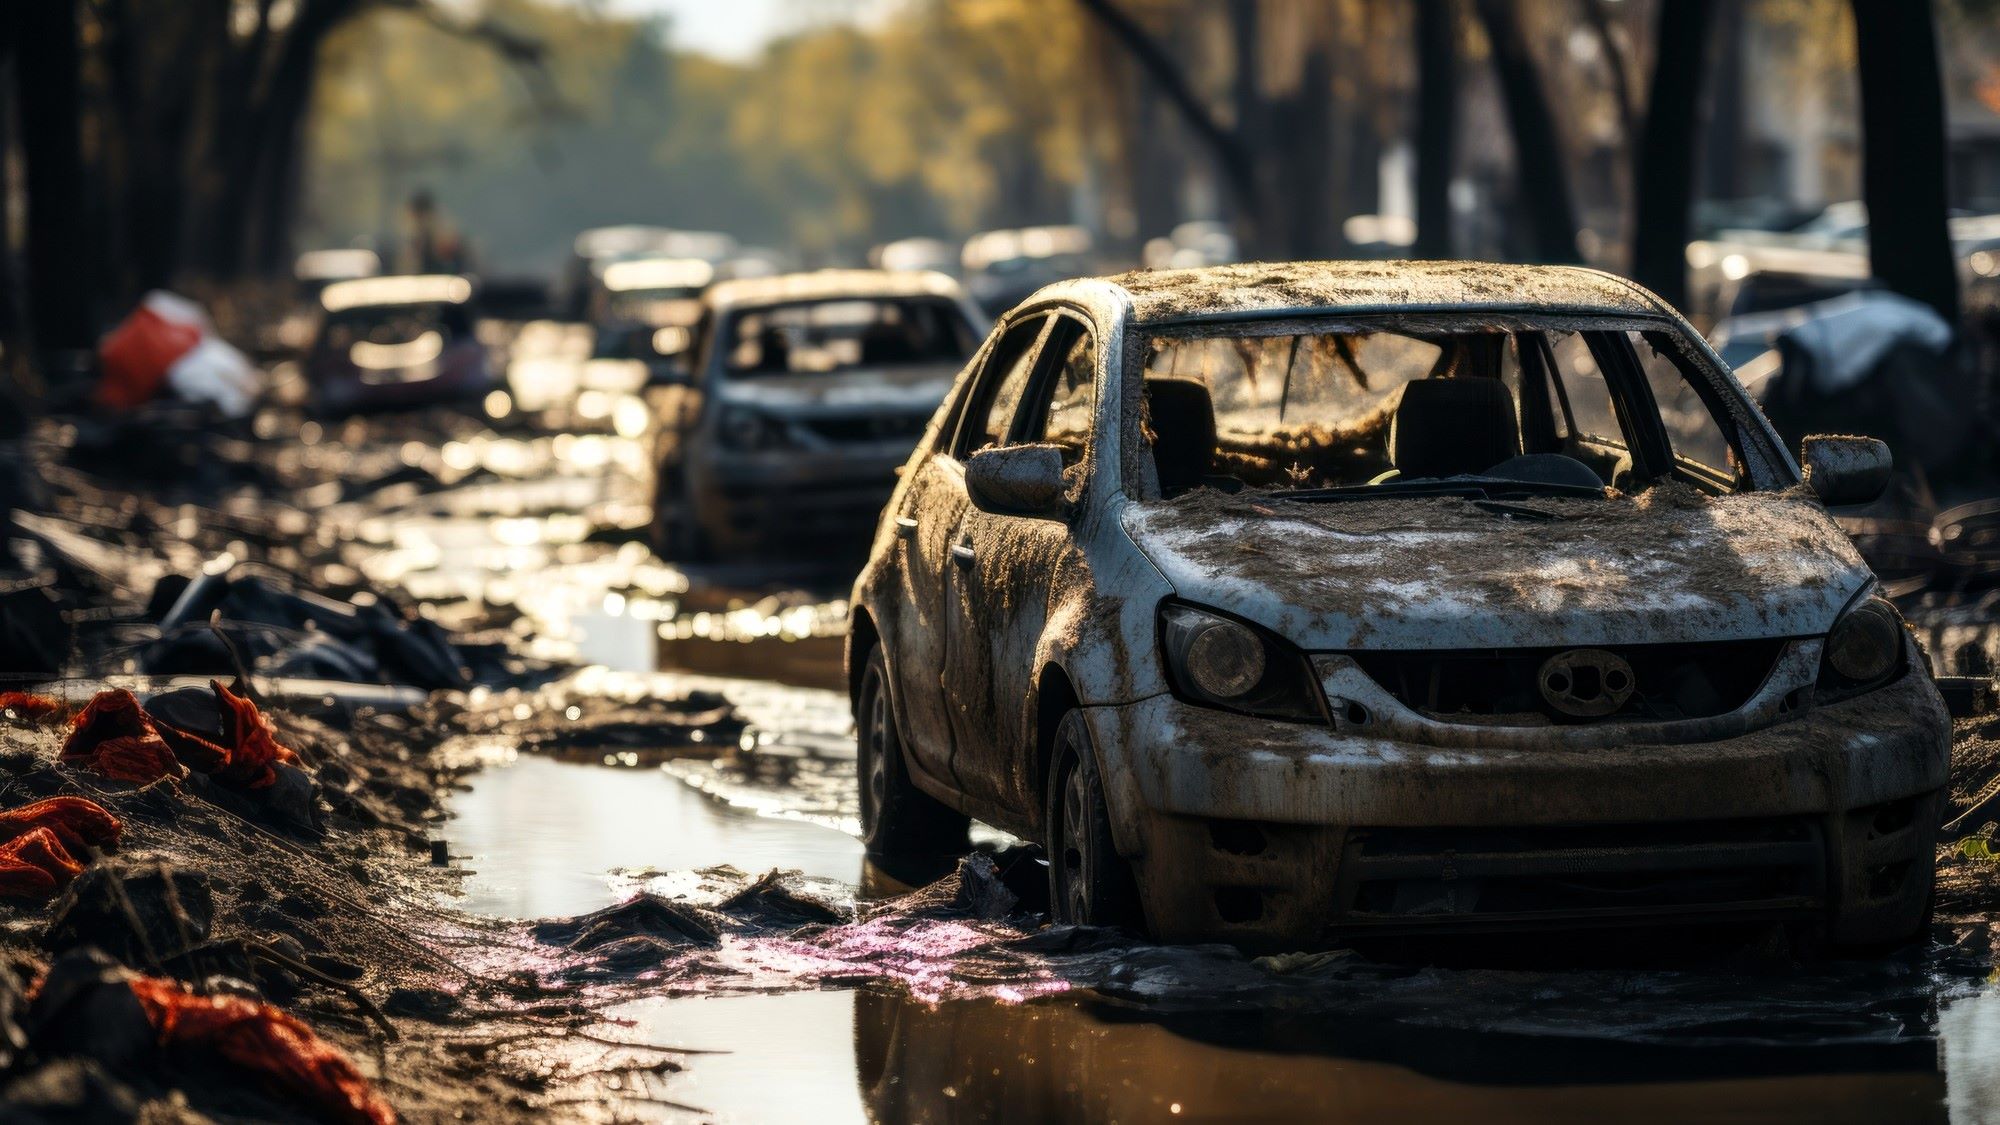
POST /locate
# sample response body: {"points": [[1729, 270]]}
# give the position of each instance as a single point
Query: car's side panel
{"points": [[931, 509]]}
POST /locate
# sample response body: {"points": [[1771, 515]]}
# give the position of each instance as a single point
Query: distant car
{"points": [[392, 342], [597, 249], [800, 396], [1003, 266], [646, 308], [1300, 604]]}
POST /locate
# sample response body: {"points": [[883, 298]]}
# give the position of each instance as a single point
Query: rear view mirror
{"points": [[1025, 480], [1846, 470]]}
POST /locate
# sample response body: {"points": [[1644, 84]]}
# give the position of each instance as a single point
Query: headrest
{"points": [[1183, 422], [1452, 427]]}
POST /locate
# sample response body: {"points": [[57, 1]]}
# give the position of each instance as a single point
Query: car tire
{"points": [[676, 535], [897, 818], [1090, 884]]}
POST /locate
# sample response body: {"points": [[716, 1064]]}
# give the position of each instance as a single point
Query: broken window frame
{"points": [[1765, 466]]}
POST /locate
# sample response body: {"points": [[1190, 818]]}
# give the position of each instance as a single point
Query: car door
{"points": [[1003, 567], [931, 510]]}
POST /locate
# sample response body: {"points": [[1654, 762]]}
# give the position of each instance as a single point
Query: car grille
{"points": [[867, 428], [1502, 686], [1412, 879]]}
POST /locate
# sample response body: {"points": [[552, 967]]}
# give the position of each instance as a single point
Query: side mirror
{"points": [[1023, 480], [1846, 470]]}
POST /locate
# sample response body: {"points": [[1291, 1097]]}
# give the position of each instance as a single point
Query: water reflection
{"points": [[543, 837], [1072, 1061]]}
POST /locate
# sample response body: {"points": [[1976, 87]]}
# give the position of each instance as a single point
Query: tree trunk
{"points": [[1664, 167], [1437, 123], [1903, 152], [1541, 172], [59, 257], [1225, 148]]}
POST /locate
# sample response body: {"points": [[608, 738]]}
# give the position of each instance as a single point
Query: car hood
{"points": [[915, 388], [1670, 565]]}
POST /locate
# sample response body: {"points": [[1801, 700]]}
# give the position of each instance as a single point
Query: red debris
{"points": [[77, 822], [114, 736], [253, 746], [32, 707], [35, 865], [295, 1063]]}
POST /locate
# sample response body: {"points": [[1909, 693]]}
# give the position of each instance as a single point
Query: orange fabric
{"points": [[32, 707], [253, 744], [294, 1063], [35, 865], [77, 822], [114, 736], [136, 356]]}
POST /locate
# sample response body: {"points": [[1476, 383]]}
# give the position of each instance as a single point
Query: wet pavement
{"points": [[984, 1020]]}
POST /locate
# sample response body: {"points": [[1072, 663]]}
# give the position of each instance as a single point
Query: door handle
{"points": [[906, 528], [961, 554]]}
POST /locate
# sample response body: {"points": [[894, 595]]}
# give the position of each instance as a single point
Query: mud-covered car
{"points": [[802, 395], [388, 343], [1299, 604]]}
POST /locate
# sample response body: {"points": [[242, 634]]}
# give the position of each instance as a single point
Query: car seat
{"points": [[1452, 427], [1183, 422]]}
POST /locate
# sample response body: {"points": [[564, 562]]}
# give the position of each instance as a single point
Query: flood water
{"points": [[1910, 1041]]}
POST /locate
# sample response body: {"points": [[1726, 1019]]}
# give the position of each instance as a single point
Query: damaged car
{"points": [[390, 343], [800, 398], [1305, 604]]}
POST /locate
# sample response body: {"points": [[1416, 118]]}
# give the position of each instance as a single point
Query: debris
{"points": [[646, 914], [77, 823], [33, 708], [141, 913], [114, 737], [168, 344]]}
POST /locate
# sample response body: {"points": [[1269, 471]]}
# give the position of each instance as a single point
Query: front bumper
{"points": [[1277, 835], [751, 501]]}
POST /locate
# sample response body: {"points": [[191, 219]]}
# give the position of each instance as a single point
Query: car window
{"points": [[1063, 416], [841, 334], [1692, 431], [1591, 414], [1003, 383]]}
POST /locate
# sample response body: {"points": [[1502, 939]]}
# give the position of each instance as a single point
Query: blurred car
{"points": [[799, 397], [392, 342], [598, 249], [1297, 604], [916, 254], [646, 308], [1003, 266]]}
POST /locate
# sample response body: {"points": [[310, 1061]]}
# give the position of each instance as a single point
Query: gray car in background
{"points": [[800, 397]]}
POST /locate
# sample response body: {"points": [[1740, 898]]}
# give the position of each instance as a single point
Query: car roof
{"points": [[829, 285], [1261, 289]]}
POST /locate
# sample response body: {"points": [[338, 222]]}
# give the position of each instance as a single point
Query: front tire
{"points": [[1090, 884], [897, 818]]}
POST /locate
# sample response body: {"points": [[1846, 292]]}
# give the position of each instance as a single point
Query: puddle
{"points": [[543, 837]]}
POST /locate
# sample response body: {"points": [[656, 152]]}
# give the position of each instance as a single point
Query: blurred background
{"points": [[204, 144]]}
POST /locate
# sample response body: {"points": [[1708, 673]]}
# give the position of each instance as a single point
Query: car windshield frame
{"points": [[722, 337], [1765, 464]]}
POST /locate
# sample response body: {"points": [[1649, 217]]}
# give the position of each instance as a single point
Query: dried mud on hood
{"points": [[1669, 565]]}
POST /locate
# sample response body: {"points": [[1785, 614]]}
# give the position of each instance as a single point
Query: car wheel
{"points": [[1089, 882], [676, 535], [896, 816]]}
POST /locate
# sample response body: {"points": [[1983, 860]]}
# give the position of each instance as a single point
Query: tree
{"points": [[1664, 167], [1541, 172], [1437, 123], [48, 70], [1903, 151]]}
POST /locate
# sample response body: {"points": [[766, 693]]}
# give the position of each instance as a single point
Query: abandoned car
{"points": [[1300, 604], [389, 343], [800, 397]]}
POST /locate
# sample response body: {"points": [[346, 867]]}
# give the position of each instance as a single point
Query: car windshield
{"points": [[822, 337], [1362, 410], [376, 332]]}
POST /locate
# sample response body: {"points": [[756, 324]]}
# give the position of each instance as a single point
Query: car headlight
{"points": [[747, 429], [1863, 649], [1222, 662]]}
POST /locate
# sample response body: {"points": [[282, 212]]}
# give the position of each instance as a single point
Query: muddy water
{"points": [[522, 548]]}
